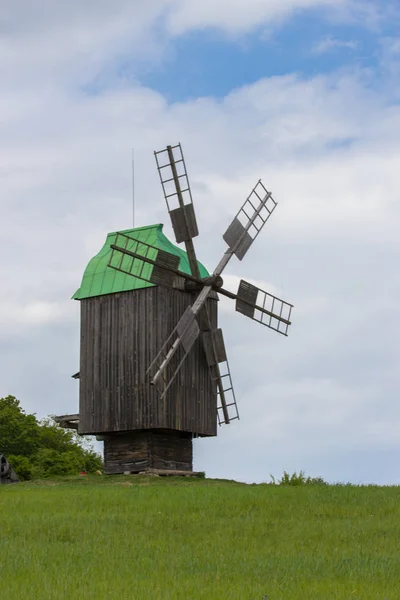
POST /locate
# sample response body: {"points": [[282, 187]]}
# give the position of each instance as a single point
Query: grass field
{"points": [[149, 537]]}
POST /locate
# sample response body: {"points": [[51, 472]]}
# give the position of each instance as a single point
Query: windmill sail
{"points": [[175, 183], [214, 347], [263, 307], [249, 221], [159, 267], [144, 261], [227, 409]]}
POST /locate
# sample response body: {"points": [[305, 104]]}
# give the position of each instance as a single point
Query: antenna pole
{"points": [[133, 187]]}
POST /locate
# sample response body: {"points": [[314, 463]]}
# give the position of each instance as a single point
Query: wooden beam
{"points": [[67, 418], [173, 472], [68, 421], [166, 472]]}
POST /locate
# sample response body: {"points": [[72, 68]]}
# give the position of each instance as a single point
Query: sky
{"points": [[301, 93]]}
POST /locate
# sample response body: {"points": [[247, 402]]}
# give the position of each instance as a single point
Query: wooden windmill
{"points": [[153, 370]]}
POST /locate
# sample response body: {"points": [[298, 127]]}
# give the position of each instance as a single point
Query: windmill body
{"points": [[124, 322], [154, 371]]}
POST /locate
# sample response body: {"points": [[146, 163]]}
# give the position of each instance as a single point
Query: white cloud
{"points": [[328, 44], [236, 16], [35, 314]]}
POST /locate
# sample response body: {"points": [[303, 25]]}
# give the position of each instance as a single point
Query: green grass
{"points": [[149, 537]]}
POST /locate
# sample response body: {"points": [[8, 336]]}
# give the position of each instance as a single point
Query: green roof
{"points": [[100, 279]]}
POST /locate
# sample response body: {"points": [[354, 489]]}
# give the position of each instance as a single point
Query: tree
{"points": [[19, 432], [38, 449]]}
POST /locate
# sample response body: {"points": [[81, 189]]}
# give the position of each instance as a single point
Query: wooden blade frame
{"points": [[177, 193], [249, 221], [175, 183], [134, 257], [265, 308], [167, 363], [214, 348], [226, 399]]}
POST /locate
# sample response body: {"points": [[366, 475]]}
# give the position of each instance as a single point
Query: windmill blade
{"points": [[227, 399], [170, 358], [214, 348], [144, 261], [175, 183], [249, 221], [263, 307], [178, 196], [166, 365]]}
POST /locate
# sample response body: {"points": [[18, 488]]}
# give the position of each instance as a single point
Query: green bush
{"points": [[297, 479], [21, 465], [40, 449]]}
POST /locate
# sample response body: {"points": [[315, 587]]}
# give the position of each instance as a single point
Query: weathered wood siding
{"points": [[140, 450], [120, 335]]}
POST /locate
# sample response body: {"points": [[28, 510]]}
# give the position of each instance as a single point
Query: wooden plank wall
{"points": [[120, 335], [140, 450]]}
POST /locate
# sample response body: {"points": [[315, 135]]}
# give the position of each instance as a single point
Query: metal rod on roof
{"points": [[133, 187]]}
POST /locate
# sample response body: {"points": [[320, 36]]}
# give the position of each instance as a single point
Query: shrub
{"points": [[38, 449], [21, 465], [297, 479]]}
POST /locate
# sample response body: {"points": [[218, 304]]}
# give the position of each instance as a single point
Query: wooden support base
{"points": [[157, 451], [167, 473]]}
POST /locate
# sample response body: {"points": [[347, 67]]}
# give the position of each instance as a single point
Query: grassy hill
{"points": [[152, 537]]}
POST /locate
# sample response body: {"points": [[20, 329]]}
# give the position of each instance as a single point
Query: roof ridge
{"points": [[158, 226]]}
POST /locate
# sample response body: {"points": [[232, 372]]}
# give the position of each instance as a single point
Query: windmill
{"points": [[154, 370]]}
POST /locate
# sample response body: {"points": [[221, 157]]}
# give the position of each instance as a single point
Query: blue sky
{"points": [[210, 62], [302, 93]]}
